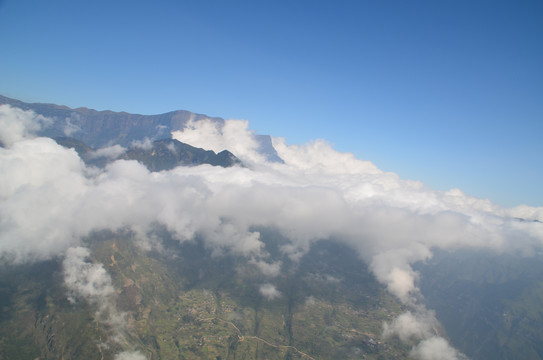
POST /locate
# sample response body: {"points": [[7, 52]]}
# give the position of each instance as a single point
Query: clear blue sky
{"points": [[446, 92]]}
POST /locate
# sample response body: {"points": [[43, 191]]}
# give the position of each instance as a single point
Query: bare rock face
{"points": [[103, 128]]}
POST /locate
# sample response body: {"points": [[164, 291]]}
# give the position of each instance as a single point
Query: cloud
{"points": [[130, 355], [421, 326], [411, 326], [232, 135], [87, 280], [41, 185], [527, 212], [49, 200], [268, 269], [436, 348], [269, 291], [70, 127], [110, 152], [171, 147], [401, 282], [16, 124], [90, 282], [145, 144]]}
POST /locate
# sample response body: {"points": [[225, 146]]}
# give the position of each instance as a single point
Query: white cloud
{"points": [[90, 282], [436, 348], [87, 280], [527, 212], [269, 291], [401, 282], [49, 200], [232, 135], [269, 269], [420, 328], [110, 152], [411, 326], [41, 185], [15, 124], [130, 355], [145, 144], [318, 157]]}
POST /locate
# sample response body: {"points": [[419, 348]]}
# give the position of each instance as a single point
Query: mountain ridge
{"points": [[164, 154], [103, 128]]}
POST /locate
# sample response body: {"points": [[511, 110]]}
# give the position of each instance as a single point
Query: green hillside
{"points": [[181, 302]]}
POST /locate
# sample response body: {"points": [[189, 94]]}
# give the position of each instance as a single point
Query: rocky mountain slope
{"points": [[159, 155], [99, 129]]}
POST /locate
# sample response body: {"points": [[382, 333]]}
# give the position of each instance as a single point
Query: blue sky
{"points": [[446, 92]]}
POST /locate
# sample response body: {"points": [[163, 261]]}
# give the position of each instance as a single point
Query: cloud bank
{"points": [[49, 200]]}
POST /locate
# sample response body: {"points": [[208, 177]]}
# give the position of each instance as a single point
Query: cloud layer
{"points": [[49, 200]]}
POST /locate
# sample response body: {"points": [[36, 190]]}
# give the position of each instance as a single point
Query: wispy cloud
{"points": [[110, 152], [71, 126], [89, 282]]}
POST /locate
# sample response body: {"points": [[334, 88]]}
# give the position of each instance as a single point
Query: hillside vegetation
{"points": [[182, 302]]}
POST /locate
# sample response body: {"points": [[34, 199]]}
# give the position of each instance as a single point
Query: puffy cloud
{"points": [[227, 236], [232, 135], [15, 124], [130, 355], [110, 152], [421, 326], [319, 157], [411, 326], [269, 269], [145, 144], [269, 291], [41, 185], [436, 348], [401, 282], [91, 282], [527, 212], [87, 280]]}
